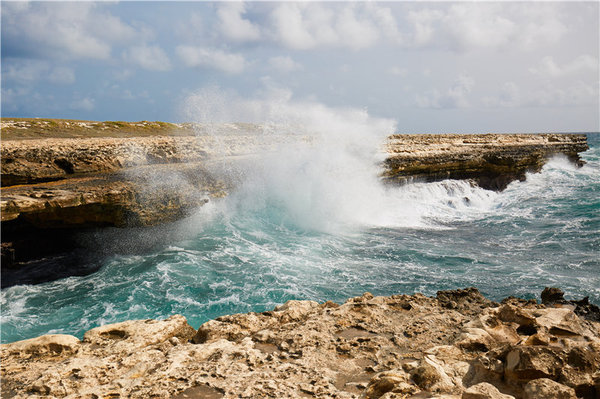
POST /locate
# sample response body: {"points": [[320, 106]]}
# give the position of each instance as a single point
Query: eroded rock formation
{"points": [[492, 160], [458, 345], [72, 178]]}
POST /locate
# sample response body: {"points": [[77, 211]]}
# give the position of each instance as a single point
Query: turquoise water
{"points": [[310, 231]]}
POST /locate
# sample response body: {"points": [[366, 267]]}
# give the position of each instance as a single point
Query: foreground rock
{"points": [[458, 345]]}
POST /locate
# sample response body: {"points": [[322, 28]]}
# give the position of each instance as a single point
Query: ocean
{"points": [[312, 225]]}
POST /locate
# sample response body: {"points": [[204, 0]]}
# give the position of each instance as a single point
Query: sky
{"points": [[431, 67]]}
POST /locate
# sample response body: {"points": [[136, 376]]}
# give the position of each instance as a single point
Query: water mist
{"points": [[321, 170]]}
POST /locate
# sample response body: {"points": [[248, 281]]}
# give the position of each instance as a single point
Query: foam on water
{"points": [[328, 182]]}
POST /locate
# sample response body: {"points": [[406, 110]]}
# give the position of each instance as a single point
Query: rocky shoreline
{"points": [[456, 345], [60, 177], [491, 160]]}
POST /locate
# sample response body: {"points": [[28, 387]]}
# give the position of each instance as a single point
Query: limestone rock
{"points": [[53, 344], [484, 391], [463, 300], [525, 363], [555, 296], [431, 375], [491, 160], [295, 310], [141, 333], [394, 382], [513, 314], [370, 347], [544, 388]]}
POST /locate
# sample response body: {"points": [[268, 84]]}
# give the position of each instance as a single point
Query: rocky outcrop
{"points": [[52, 187], [76, 182], [369, 347], [52, 159], [491, 160], [37, 161], [44, 218], [72, 177], [144, 196]]}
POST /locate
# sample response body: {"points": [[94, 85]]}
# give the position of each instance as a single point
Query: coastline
{"points": [[456, 345], [61, 177]]}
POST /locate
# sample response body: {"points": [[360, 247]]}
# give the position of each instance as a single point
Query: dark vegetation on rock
{"points": [[457, 345]]}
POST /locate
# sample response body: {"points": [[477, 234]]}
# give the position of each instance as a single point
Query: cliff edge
{"points": [[60, 176], [491, 160]]}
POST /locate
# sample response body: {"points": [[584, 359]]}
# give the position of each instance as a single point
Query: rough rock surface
{"points": [[54, 187], [544, 388], [492, 160], [369, 347], [50, 159]]}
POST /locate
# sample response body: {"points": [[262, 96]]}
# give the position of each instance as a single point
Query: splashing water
{"points": [[310, 220]]}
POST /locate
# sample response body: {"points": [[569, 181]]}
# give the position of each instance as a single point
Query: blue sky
{"points": [[432, 67]]}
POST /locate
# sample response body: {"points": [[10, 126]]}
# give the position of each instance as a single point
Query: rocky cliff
{"points": [[491, 160], [457, 345], [58, 175]]}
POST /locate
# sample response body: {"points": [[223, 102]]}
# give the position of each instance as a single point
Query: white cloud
{"points": [[84, 104], [577, 94], [152, 58], [23, 71], [423, 26], [64, 30], [232, 24], [549, 68], [62, 75], [304, 26], [293, 27], [129, 95], [12, 97], [284, 64], [30, 72], [122, 73], [455, 96], [467, 26], [355, 32], [478, 25], [192, 26], [193, 56], [383, 18], [398, 71], [539, 23], [510, 96], [461, 27]]}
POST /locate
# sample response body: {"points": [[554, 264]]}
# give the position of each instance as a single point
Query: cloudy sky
{"points": [[432, 67]]}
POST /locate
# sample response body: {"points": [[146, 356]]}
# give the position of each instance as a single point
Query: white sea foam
{"points": [[330, 182]]}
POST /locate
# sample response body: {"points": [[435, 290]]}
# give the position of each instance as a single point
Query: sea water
{"points": [[314, 226]]}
